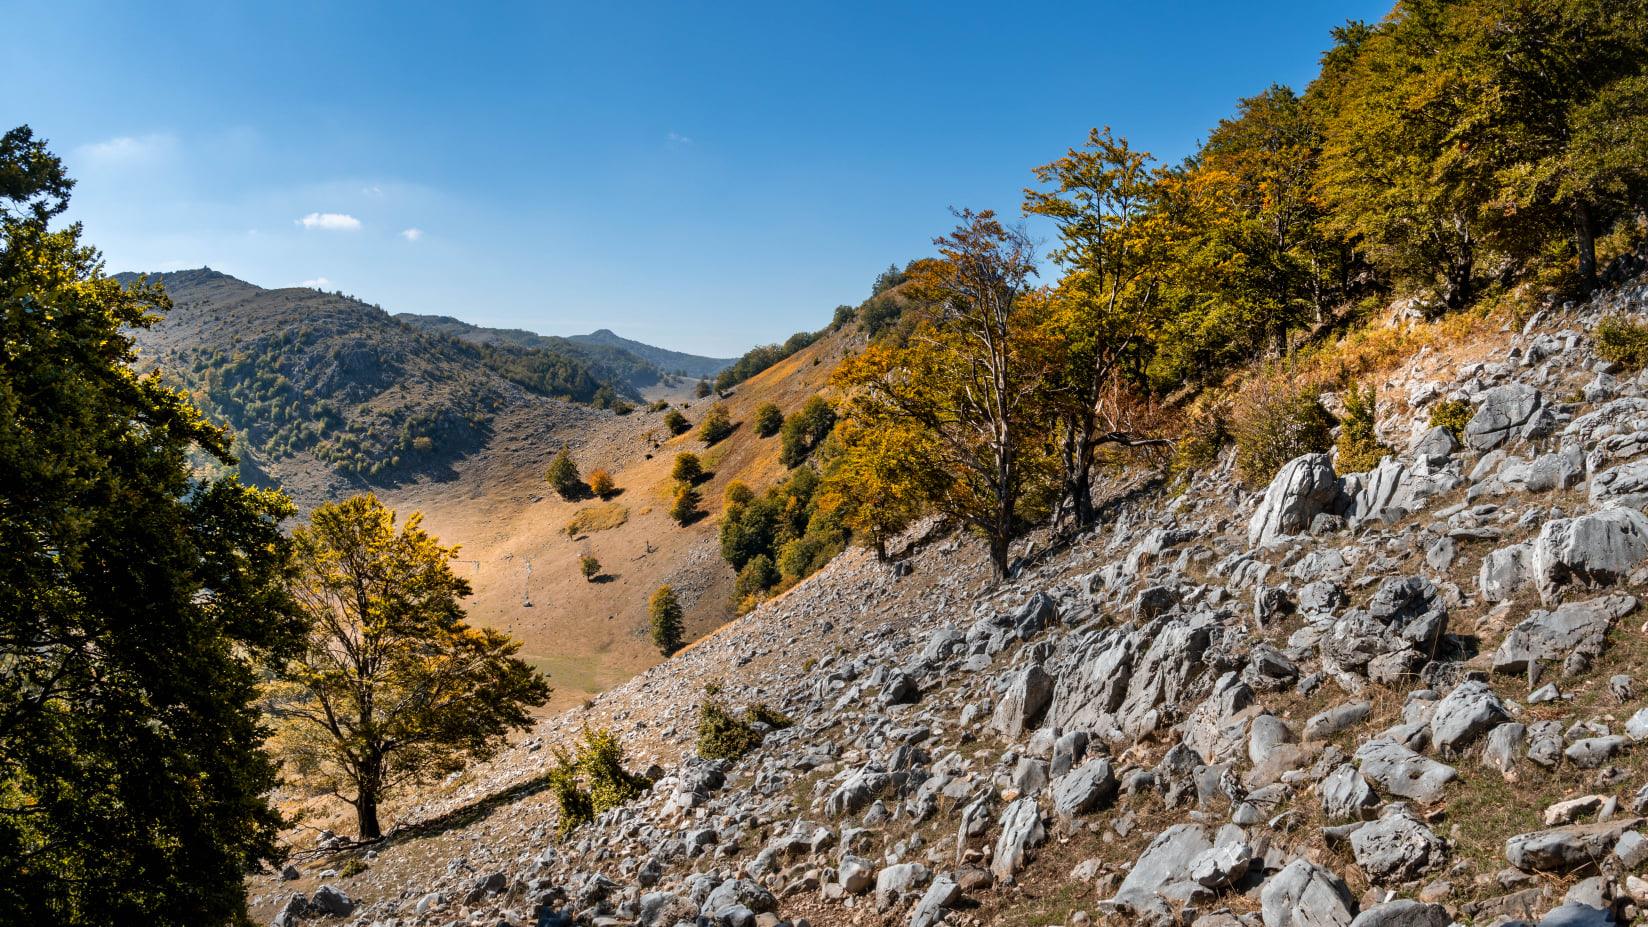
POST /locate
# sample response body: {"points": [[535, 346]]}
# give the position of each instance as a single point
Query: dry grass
{"points": [[602, 516]]}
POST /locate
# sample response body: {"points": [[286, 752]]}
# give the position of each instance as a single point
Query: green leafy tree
{"points": [[768, 419], [687, 468], [756, 577], [676, 422], [805, 430], [563, 476], [394, 686], [667, 620], [702, 389], [717, 424], [143, 599], [589, 566]]}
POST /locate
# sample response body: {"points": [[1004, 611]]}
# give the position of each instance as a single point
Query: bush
{"points": [[725, 736], [737, 493], [600, 483], [563, 476], [592, 779], [716, 424], [1358, 446], [768, 419], [688, 468], [1275, 421], [702, 389], [1623, 341], [756, 577], [1205, 435], [665, 613], [684, 508], [1452, 414], [805, 430], [676, 422], [353, 866], [590, 566]]}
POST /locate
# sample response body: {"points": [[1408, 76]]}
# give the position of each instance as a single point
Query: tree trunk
{"points": [[1585, 240], [366, 816]]}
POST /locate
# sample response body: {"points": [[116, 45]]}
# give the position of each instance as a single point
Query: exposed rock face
{"points": [[1305, 895], [1571, 636], [1396, 848], [1502, 414], [1469, 711], [1305, 487], [1563, 848], [1595, 549]]}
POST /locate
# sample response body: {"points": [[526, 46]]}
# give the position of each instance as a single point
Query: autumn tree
{"points": [[666, 618], [143, 594], [393, 687], [965, 380], [601, 483], [684, 504], [563, 476], [676, 422], [805, 429], [876, 486], [1101, 319]]}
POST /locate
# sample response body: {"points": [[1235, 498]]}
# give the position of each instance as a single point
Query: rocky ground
{"points": [[1413, 696]]}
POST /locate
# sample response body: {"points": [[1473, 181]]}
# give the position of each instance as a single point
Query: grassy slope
{"points": [[591, 635]]}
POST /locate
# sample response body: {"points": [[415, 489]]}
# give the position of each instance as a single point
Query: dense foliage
{"points": [[142, 602], [592, 778], [666, 617], [761, 357]]}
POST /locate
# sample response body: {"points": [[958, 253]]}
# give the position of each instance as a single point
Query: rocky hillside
{"points": [[1412, 696], [672, 362]]}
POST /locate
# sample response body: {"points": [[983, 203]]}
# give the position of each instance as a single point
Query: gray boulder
{"points": [[1167, 859], [1624, 485], [1221, 865], [1395, 770], [1503, 572], [1403, 912], [1560, 849], [1573, 635], [1502, 413], [940, 896], [1469, 711], [329, 899], [1304, 894], [1305, 487], [1346, 796], [1084, 789], [1021, 832], [1026, 697], [1596, 549], [1396, 848]]}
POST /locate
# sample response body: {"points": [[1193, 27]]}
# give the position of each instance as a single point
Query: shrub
{"points": [[353, 866], [1452, 414], [590, 566], [756, 577], [664, 611], [716, 424], [805, 430], [725, 736], [688, 468], [702, 389], [676, 422], [563, 476], [1358, 446], [768, 419], [1623, 341], [592, 779], [684, 508], [658, 405], [1205, 435], [600, 483], [1275, 421], [737, 493]]}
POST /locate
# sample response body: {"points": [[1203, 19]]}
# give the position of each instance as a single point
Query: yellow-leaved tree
{"points": [[393, 687]]}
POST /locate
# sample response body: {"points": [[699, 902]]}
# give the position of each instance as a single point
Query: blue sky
{"points": [[703, 176]]}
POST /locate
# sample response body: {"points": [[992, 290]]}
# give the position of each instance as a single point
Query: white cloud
{"points": [[373, 190], [411, 234], [678, 140], [128, 149], [319, 283], [330, 221]]}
